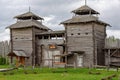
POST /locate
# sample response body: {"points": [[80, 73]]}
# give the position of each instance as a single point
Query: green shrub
{"points": [[2, 61]]}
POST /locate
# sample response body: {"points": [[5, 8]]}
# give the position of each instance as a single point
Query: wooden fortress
{"points": [[79, 45]]}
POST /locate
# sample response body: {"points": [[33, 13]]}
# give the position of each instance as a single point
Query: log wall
{"points": [[80, 38], [89, 38], [22, 40], [45, 53], [100, 35]]}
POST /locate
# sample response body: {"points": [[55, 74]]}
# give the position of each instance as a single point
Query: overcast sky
{"points": [[56, 11]]}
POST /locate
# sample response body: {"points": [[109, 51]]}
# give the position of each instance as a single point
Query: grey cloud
{"points": [[112, 16], [59, 8]]}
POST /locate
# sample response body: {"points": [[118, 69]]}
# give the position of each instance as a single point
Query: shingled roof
{"points": [[85, 10], [28, 15], [28, 23], [83, 19], [19, 53]]}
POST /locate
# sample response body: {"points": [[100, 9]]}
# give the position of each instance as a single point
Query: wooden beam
{"points": [[109, 57], [33, 47], [75, 60], [11, 40], [66, 41], [114, 52], [94, 53]]}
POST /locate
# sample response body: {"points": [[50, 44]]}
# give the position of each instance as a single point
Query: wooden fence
{"points": [[4, 48], [112, 43]]}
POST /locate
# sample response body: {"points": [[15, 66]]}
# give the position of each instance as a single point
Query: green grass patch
{"points": [[48, 74]]}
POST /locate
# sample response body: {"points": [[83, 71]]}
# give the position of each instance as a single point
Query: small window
{"points": [[52, 46], [78, 33], [86, 33], [40, 37], [46, 37], [72, 34]]}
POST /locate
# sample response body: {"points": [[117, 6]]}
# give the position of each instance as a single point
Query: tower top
{"points": [[84, 10], [28, 15]]}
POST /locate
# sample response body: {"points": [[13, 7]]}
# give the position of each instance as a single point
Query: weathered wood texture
{"points": [[80, 38], [46, 55], [112, 51], [89, 38], [112, 43], [4, 48], [51, 41], [100, 35], [22, 40], [112, 56]]}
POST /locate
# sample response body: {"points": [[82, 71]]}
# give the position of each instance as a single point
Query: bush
{"points": [[2, 61]]}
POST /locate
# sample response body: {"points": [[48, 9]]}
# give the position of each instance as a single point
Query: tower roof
{"points": [[83, 10], [83, 19], [28, 23], [28, 15]]}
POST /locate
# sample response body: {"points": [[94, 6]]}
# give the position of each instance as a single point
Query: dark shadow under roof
{"points": [[51, 32]]}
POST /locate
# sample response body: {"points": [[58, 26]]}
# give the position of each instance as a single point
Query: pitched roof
{"points": [[28, 23], [28, 15], [83, 19], [19, 53], [84, 10]]}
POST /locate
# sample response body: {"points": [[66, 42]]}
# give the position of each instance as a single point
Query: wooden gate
{"points": [[80, 60], [48, 57]]}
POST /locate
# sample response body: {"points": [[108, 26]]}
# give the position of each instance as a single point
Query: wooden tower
{"points": [[85, 37], [22, 34]]}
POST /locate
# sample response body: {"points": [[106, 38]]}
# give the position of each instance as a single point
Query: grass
{"points": [[47, 74]]}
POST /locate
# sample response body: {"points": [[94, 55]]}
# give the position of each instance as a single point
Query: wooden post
{"points": [[109, 56], [11, 45], [52, 58], [56, 36], [53, 61], [117, 68], [65, 61], [17, 61], [66, 47], [94, 53], [41, 55], [75, 60], [33, 47], [109, 59]]}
